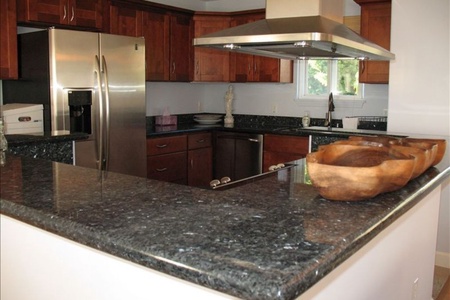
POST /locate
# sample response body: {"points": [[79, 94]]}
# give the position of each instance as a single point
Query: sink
{"points": [[322, 129], [336, 129]]}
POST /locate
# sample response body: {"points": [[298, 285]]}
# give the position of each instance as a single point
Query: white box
{"points": [[22, 118]]}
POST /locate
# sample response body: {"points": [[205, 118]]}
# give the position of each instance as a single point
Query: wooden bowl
{"points": [[385, 140], [421, 155], [440, 143], [353, 172]]}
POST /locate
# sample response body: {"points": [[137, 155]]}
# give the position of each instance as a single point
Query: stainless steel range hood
{"points": [[297, 29]]}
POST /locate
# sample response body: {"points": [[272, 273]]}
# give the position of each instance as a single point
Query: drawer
{"points": [[286, 144], [167, 167], [199, 140], [168, 144]]}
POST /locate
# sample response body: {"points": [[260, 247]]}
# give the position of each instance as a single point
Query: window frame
{"points": [[300, 67]]}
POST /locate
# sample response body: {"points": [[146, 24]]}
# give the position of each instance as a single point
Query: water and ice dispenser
{"points": [[80, 109]]}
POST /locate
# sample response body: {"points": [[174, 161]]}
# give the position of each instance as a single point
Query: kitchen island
{"points": [[269, 238]]}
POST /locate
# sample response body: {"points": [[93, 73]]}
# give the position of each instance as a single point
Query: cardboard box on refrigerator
{"points": [[22, 118]]}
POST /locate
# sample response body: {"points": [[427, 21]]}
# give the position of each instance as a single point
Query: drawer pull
{"points": [[161, 170], [161, 146]]}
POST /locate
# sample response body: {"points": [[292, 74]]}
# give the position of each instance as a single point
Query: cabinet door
{"points": [[375, 26], [199, 159], [181, 33], [85, 13], [46, 11], [241, 65], [200, 167], [157, 40], [8, 40], [253, 68], [210, 64], [125, 20], [82, 13]]}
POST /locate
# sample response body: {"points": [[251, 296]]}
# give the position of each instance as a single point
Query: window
{"points": [[317, 78]]}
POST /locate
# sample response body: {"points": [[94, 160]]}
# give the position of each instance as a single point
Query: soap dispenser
{"points": [[305, 120]]}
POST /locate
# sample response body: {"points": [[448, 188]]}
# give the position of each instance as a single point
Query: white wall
{"points": [[255, 98], [419, 92]]}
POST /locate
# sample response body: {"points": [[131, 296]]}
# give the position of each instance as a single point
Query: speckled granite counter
{"points": [[272, 238], [46, 146]]}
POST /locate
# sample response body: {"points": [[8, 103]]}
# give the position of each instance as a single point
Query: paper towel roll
{"points": [[350, 122]]}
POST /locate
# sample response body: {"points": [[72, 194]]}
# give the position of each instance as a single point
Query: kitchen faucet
{"points": [[328, 116]]}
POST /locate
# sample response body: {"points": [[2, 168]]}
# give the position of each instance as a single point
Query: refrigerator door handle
{"points": [[107, 113], [99, 119]]}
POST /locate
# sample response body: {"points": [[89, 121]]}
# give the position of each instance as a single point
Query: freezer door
{"points": [[123, 65], [72, 67]]}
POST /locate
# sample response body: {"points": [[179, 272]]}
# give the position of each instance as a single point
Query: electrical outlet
{"points": [[274, 108], [385, 111], [415, 287], [199, 106]]}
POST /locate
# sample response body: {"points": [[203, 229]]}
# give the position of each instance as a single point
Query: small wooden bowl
{"points": [[353, 172], [429, 150], [440, 143], [385, 140], [421, 155]]}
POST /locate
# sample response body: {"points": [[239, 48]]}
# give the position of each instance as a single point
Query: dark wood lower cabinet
{"points": [[183, 159], [283, 148], [200, 167], [167, 167]]}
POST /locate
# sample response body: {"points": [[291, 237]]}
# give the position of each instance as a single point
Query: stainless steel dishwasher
{"points": [[237, 155]]}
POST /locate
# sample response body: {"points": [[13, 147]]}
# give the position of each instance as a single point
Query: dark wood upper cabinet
{"points": [[211, 65], [156, 31], [8, 40], [181, 49], [253, 68], [168, 38], [376, 27], [77, 13]]}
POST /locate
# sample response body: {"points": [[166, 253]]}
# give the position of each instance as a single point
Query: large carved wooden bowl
{"points": [[348, 172], [423, 153], [441, 144]]}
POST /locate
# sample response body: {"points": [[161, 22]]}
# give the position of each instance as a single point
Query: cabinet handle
{"points": [[162, 146], [196, 67], [201, 141], [192, 163], [161, 170], [363, 66], [73, 14], [65, 13], [173, 67]]}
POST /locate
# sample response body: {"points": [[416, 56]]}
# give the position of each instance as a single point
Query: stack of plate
{"points": [[208, 119]]}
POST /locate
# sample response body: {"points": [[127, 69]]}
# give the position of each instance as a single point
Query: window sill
{"points": [[340, 103]]}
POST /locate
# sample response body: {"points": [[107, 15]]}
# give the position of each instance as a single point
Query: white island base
{"points": [[397, 264]]}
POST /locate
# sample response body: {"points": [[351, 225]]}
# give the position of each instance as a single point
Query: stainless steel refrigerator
{"points": [[92, 83]]}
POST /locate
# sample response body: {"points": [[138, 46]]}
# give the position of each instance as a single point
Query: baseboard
{"points": [[442, 259]]}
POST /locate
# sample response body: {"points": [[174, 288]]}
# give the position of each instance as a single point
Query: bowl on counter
{"points": [[347, 172], [441, 145], [423, 154], [208, 119]]}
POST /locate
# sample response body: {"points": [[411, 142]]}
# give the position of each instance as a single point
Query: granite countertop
{"points": [[258, 128], [271, 238], [23, 139]]}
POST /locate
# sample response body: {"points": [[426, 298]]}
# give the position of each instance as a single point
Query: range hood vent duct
{"points": [[294, 38]]}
